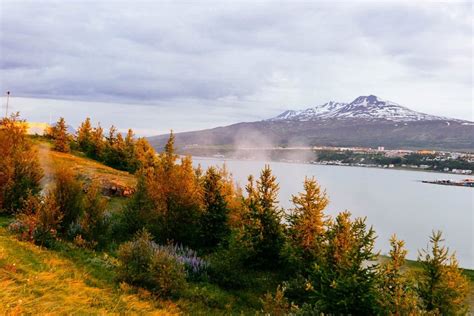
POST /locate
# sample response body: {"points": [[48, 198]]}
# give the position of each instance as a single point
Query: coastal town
{"points": [[429, 160]]}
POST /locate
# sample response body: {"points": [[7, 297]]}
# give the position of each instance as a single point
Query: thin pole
{"points": [[8, 97]]}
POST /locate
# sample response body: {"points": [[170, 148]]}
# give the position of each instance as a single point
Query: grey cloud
{"points": [[271, 55]]}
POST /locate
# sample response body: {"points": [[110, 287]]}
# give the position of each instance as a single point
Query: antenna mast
{"points": [[8, 97]]}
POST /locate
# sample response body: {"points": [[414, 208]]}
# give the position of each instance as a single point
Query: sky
{"points": [[186, 65]]}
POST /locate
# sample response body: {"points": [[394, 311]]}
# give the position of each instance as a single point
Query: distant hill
{"points": [[367, 121]]}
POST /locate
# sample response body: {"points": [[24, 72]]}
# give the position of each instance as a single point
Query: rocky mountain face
{"points": [[367, 121]]}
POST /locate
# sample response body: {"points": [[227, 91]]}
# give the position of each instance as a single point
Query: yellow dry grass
{"points": [[85, 167], [37, 281]]}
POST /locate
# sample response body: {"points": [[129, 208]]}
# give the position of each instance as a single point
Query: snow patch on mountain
{"points": [[364, 107]]}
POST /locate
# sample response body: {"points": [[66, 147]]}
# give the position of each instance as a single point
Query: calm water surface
{"points": [[394, 201]]}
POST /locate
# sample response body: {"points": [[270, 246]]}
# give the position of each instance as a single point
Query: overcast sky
{"points": [[187, 65]]}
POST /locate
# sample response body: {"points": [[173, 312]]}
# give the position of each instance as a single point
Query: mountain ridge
{"points": [[367, 121], [367, 107]]}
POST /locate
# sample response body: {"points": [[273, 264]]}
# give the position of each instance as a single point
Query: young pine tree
{"points": [[263, 231], [145, 155], [214, 225], [344, 279], [306, 220], [97, 143], [398, 296], [138, 213], [441, 286], [84, 136], [61, 137]]}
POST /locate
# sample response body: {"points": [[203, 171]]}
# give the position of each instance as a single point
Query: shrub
{"points": [[68, 195], [276, 305], [38, 221], [94, 222], [143, 263], [20, 172], [226, 266]]}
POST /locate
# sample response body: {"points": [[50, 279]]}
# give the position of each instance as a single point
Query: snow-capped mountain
{"points": [[364, 107], [367, 121]]}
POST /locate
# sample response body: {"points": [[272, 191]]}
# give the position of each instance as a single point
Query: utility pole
{"points": [[8, 97]]}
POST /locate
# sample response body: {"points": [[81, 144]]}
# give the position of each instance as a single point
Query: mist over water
{"points": [[394, 201]]}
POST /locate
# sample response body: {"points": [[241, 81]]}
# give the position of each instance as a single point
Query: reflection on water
{"points": [[394, 201]]}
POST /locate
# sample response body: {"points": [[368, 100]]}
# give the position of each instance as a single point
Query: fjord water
{"points": [[394, 201]]}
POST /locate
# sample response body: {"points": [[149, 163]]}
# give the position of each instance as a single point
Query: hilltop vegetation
{"points": [[188, 240]]}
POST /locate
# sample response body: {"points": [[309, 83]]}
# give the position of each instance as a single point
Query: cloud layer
{"points": [[238, 60]]}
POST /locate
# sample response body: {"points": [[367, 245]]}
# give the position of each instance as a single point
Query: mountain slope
{"points": [[367, 121]]}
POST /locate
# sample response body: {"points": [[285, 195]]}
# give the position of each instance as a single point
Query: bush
{"points": [[20, 172], [143, 263], [94, 224], [276, 305], [68, 195], [226, 267], [38, 221]]}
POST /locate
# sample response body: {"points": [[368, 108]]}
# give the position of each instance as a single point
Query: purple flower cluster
{"points": [[196, 267]]}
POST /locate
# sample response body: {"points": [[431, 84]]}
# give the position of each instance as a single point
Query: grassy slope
{"points": [[87, 168], [68, 279]]}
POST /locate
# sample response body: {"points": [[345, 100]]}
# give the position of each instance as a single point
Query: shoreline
{"points": [[332, 165]]}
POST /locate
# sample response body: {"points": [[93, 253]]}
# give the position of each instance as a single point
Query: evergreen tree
{"points": [[344, 280], [214, 222], [263, 231], [20, 172], [306, 220], [139, 212], [398, 296], [145, 155], [60, 136], [131, 162], [84, 136], [97, 143], [168, 157], [441, 285], [115, 155]]}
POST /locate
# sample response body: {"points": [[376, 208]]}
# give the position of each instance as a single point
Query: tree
{"points": [[168, 157], [130, 151], [145, 155], [84, 136], [263, 231], [97, 143], [442, 287], [115, 155], [344, 280], [214, 220], [139, 212], [20, 171], [306, 219], [398, 296], [60, 136]]}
